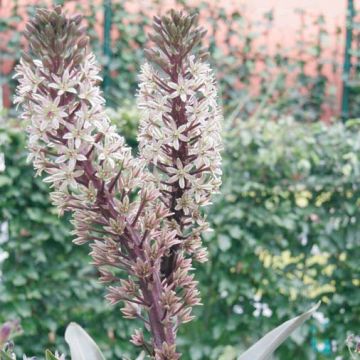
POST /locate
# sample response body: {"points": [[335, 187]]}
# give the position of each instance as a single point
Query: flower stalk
{"points": [[179, 135], [141, 216]]}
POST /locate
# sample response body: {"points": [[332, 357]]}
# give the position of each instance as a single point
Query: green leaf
{"points": [[5, 356], [19, 280], [4, 180], [224, 242], [82, 346], [49, 355], [265, 347]]}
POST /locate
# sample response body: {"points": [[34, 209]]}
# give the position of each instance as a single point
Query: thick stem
{"points": [[151, 288], [161, 332], [178, 113]]}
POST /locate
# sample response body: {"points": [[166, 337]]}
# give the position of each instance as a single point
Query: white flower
{"points": [[200, 187], [182, 88], [49, 112], [79, 132], [198, 69], [70, 154], [90, 93], [87, 193], [36, 135], [180, 173], [91, 114], [66, 83], [90, 69], [147, 73], [185, 203], [28, 79], [159, 106], [203, 152], [63, 177], [152, 121], [209, 91], [175, 134], [104, 127], [154, 152], [197, 110], [186, 141], [109, 151]]}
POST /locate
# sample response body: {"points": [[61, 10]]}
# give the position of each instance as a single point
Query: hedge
{"points": [[285, 235]]}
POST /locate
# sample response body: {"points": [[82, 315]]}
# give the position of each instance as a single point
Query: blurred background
{"points": [[286, 226]]}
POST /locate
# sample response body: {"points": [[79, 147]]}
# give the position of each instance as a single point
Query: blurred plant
{"points": [[353, 80], [126, 119], [353, 345], [286, 232], [128, 40], [247, 63], [10, 46]]}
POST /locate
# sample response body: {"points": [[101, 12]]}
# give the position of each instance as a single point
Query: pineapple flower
{"points": [[140, 215], [181, 144]]}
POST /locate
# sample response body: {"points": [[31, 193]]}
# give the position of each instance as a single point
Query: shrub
{"points": [[286, 186], [285, 231]]}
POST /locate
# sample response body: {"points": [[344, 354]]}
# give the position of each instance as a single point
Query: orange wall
{"points": [[287, 21]]}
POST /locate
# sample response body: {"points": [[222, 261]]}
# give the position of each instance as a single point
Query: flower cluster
{"points": [[140, 215], [179, 136]]}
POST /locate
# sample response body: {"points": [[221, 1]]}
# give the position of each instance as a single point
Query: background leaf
{"points": [[265, 347], [82, 346]]}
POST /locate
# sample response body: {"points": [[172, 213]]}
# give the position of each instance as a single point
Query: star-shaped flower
{"points": [[182, 88], [180, 173], [65, 83]]}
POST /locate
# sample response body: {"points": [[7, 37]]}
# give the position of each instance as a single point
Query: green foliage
{"points": [[255, 71], [286, 230], [351, 72], [126, 118], [49, 355], [4, 356], [11, 356], [128, 40], [47, 282], [10, 44], [286, 226]]}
